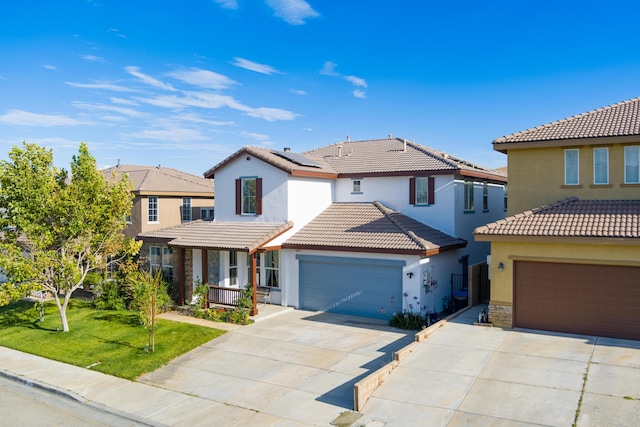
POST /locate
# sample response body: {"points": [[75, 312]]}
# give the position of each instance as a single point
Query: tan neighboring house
{"points": [[164, 197], [567, 258]]}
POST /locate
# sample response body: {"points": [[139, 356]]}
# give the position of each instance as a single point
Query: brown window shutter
{"points": [[238, 196], [431, 183], [258, 196], [412, 191]]}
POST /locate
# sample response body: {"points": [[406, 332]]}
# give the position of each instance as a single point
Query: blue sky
{"points": [[185, 84]]}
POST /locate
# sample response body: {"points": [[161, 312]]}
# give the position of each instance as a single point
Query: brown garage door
{"points": [[601, 300]]}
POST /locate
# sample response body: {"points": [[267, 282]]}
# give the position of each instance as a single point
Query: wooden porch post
{"points": [[253, 283]]}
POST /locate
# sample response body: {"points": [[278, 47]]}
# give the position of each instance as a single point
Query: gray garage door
{"points": [[357, 286]]}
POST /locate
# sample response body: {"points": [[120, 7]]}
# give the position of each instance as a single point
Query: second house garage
{"points": [[356, 286], [590, 299]]}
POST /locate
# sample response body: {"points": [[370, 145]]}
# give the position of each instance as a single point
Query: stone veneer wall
{"points": [[501, 315], [188, 275]]}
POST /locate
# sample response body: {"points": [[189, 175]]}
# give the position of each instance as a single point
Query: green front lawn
{"points": [[112, 341]]}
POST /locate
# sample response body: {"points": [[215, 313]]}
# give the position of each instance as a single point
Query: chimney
{"points": [[339, 150], [287, 149], [118, 165], [348, 138]]}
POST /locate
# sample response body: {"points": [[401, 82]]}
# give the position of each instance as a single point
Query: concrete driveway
{"points": [[466, 375], [297, 368]]}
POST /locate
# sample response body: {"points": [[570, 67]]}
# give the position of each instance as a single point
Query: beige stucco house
{"points": [[567, 258]]}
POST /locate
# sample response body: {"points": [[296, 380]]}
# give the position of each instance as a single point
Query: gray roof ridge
{"points": [[566, 119], [388, 213]]}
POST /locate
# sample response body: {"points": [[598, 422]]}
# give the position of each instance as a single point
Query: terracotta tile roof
{"points": [[393, 156], [572, 217], [236, 236], [162, 179], [370, 227], [622, 119], [278, 159]]}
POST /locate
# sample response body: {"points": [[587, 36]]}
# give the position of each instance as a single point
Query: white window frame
{"points": [[601, 165], [186, 209], [167, 252], [153, 211], [422, 190], [632, 160], [469, 189], [272, 272], [233, 268], [356, 185], [571, 176], [247, 198], [155, 254]]}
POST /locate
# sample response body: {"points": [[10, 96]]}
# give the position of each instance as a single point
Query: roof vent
{"points": [[287, 149], [339, 150], [158, 166], [348, 138], [404, 147], [118, 165], [390, 136]]}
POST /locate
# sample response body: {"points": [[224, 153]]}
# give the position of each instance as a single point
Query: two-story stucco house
{"points": [[568, 256], [359, 227]]}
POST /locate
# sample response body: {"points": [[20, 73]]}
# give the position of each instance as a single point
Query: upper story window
{"points": [[571, 167], [485, 196], [468, 196], [421, 191], [632, 164], [357, 186], [186, 209], [249, 196], [207, 213], [152, 209], [601, 165]]}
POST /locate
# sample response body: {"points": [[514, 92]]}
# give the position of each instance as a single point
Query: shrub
{"points": [[407, 320], [110, 295]]}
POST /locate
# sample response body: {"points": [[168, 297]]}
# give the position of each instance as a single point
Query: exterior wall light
{"points": [[500, 267], [410, 274]]}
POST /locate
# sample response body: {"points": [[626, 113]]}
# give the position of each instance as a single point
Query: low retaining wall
{"points": [[363, 389]]}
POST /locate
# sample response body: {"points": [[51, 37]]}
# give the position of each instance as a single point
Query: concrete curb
{"points": [[73, 396], [363, 389]]}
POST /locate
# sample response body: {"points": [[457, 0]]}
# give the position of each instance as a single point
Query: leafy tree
{"points": [[55, 229], [149, 294]]}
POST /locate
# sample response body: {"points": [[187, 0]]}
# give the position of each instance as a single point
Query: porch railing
{"points": [[226, 296]]}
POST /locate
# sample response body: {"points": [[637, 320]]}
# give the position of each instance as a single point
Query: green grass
{"points": [[114, 341]]}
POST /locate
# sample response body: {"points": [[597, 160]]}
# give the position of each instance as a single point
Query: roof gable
{"points": [[617, 120], [149, 179]]}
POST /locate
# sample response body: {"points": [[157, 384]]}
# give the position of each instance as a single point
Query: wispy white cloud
{"points": [[254, 66], [122, 101], [49, 67], [93, 58], [256, 136], [359, 94], [298, 92], [292, 11], [174, 134], [329, 69], [356, 81], [215, 101], [228, 4], [130, 112], [194, 118], [151, 81], [203, 78], [25, 118], [101, 86], [117, 32]]}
